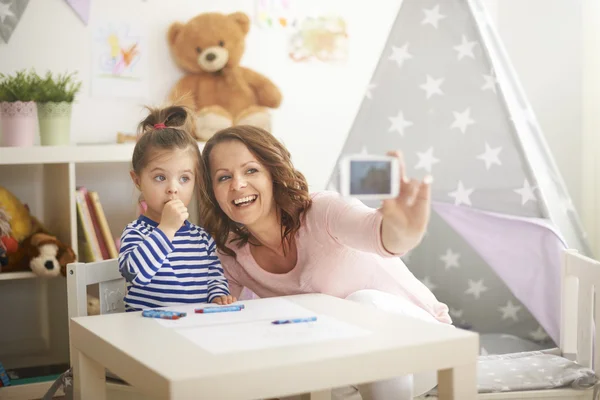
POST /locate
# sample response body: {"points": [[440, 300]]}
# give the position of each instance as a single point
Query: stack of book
{"points": [[96, 242]]}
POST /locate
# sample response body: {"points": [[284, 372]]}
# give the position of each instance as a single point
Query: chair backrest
{"points": [[111, 287], [580, 309]]}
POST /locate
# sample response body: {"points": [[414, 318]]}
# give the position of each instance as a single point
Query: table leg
{"points": [[320, 395], [458, 383], [89, 378]]}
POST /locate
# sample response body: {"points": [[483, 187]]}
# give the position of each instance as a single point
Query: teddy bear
{"points": [[222, 93], [15, 224]]}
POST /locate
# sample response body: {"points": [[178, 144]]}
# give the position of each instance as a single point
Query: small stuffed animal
{"points": [[208, 49], [93, 305], [48, 257], [43, 254], [7, 243]]}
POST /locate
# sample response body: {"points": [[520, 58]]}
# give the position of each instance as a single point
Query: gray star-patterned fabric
{"points": [[444, 93], [11, 12], [533, 370]]}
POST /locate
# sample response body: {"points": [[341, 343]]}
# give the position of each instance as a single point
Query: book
{"points": [[88, 243], [103, 223]]}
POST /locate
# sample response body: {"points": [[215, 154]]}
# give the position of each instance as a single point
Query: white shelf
{"points": [[84, 153], [17, 275]]}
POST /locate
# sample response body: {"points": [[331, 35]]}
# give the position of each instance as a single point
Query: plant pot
{"points": [[18, 122], [55, 123]]}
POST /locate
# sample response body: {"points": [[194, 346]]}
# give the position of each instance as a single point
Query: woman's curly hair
{"points": [[290, 189]]}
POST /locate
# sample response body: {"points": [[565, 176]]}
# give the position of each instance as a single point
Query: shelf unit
{"points": [[34, 315], [45, 178]]}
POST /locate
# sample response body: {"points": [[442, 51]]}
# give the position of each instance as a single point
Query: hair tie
{"points": [[159, 126]]}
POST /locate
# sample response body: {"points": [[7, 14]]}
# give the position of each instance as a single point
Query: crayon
{"points": [[293, 321], [208, 310]]}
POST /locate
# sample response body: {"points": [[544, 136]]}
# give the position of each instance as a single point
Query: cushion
{"points": [[531, 370]]}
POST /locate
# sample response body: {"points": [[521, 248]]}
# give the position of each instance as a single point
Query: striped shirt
{"points": [[162, 273]]}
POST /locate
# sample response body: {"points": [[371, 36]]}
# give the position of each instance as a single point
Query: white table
{"points": [[159, 361]]}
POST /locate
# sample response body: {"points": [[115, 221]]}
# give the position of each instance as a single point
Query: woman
{"points": [[276, 239]]}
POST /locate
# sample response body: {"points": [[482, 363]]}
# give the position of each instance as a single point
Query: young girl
{"points": [[165, 259]]}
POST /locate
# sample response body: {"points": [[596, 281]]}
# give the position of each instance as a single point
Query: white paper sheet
{"points": [[263, 334], [264, 310]]}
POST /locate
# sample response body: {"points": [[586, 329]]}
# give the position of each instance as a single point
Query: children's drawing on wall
{"points": [[323, 38], [118, 61], [276, 13]]}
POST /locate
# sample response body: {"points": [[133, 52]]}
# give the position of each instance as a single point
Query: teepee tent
{"points": [[445, 94]]}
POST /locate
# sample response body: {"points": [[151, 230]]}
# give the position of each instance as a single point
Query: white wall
{"points": [[543, 39], [319, 104], [591, 122]]}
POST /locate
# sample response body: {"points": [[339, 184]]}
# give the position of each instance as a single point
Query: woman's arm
{"points": [[350, 223], [140, 258]]}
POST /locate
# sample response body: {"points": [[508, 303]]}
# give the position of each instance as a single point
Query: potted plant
{"points": [[54, 96], [18, 120]]}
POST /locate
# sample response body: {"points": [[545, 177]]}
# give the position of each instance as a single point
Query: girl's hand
{"points": [[405, 217], [224, 300], [173, 216]]}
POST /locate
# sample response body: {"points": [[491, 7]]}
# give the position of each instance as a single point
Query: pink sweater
{"points": [[339, 252]]}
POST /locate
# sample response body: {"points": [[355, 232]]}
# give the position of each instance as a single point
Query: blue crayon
{"points": [[164, 314], [208, 310], [294, 320]]}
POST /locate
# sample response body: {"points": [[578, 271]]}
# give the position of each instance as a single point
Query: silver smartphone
{"points": [[369, 177]]}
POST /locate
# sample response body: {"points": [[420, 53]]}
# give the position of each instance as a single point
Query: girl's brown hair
{"points": [[290, 189], [177, 133]]}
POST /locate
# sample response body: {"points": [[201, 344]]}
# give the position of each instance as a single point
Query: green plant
{"points": [[18, 87], [56, 87]]}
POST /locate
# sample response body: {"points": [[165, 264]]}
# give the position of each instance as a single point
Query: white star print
{"points": [[538, 334], [5, 12], [476, 288], [461, 195], [433, 16], [400, 54], [432, 86], [430, 285], [526, 193], [399, 123], [569, 206], [426, 160], [450, 259], [369, 91], [465, 48], [456, 313], [490, 83], [490, 156], [462, 120], [510, 311]]}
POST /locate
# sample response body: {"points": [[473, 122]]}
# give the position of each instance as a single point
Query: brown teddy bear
{"points": [[208, 48]]}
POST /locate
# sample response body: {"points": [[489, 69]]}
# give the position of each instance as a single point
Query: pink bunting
{"points": [[81, 8]]}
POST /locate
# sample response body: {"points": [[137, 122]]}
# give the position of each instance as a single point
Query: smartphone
{"points": [[369, 177]]}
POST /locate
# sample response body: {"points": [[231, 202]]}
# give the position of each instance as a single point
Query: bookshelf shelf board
{"points": [[84, 153], [6, 276]]}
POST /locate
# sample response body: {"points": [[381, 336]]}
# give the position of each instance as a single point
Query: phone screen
{"points": [[370, 177]]}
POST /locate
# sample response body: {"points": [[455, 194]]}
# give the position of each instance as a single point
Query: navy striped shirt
{"points": [[162, 273]]}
